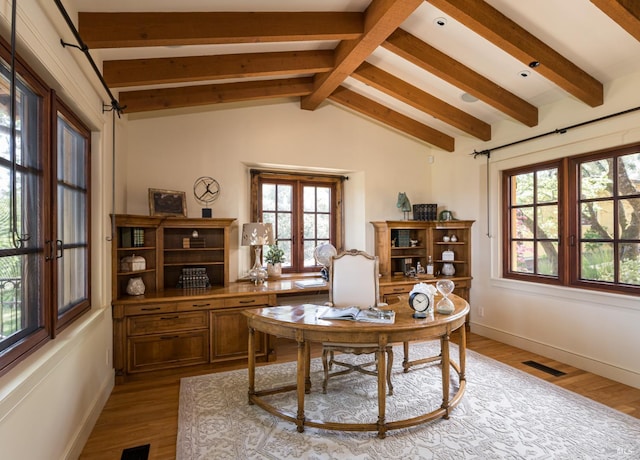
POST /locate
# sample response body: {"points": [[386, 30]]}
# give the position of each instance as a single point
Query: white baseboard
{"points": [[586, 363], [84, 431]]}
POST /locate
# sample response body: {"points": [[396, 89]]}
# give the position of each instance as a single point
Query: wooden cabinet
{"points": [[169, 332], [169, 245], [399, 244]]}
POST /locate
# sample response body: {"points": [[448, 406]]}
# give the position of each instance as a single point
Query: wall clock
{"points": [[206, 190]]}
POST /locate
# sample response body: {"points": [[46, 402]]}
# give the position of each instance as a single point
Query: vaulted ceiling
{"points": [[434, 70]]}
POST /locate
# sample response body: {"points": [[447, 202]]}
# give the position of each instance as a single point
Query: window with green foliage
{"points": [[575, 221], [44, 214], [305, 210]]}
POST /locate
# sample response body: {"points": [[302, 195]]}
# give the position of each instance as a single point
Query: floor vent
{"points": [[136, 453], [547, 369]]}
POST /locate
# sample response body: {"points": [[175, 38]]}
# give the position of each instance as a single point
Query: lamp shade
{"points": [[257, 234]]}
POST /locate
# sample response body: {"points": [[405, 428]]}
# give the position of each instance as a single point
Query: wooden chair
{"points": [[353, 280]]}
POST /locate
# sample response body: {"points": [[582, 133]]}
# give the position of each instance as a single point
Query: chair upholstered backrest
{"points": [[353, 280]]}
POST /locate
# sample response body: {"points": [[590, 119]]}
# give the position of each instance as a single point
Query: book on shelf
{"points": [[311, 282], [354, 313]]}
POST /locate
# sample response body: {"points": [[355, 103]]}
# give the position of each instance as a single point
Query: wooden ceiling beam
{"points": [[419, 99], [457, 74], [625, 12], [117, 30], [381, 18], [138, 72], [191, 96], [392, 118], [497, 28]]}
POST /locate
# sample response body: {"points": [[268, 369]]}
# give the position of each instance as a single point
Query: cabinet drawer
{"points": [[148, 353], [131, 310], [200, 304], [247, 301], [168, 322], [397, 289]]}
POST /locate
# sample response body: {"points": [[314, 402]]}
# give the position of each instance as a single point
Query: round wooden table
{"points": [[301, 323]]}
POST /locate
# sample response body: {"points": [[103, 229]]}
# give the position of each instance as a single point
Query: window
{"points": [[582, 231], [305, 211], [44, 218]]}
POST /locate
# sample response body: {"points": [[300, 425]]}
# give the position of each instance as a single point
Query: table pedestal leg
{"points": [[382, 391], [252, 364], [444, 346], [300, 383]]}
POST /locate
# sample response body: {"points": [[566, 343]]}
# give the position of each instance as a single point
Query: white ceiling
{"points": [[576, 29]]}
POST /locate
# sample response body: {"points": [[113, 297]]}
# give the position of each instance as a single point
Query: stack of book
{"points": [[425, 211], [194, 278]]}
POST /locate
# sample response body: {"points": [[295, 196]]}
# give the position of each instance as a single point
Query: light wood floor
{"points": [[146, 411]]}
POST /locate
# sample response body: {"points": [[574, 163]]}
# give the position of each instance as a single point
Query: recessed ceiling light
{"points": [[468, 97], [524, 73], [440, 22]]}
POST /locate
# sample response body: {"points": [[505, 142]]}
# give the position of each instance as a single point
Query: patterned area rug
{"points": [[504, 414]]}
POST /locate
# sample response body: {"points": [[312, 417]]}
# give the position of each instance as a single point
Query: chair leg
{"points": [[389, 366], [325, 367]]}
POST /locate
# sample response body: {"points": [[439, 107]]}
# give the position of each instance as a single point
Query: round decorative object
{"points": [[206, 190], [135, 286], [419, 301], [454, 238], [323, 254]]}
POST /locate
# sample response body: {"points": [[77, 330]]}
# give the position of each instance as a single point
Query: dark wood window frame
{"points": [[38, 289], [298, 180], [569, 220]]}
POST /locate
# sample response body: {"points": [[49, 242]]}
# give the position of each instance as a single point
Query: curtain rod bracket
{"points": [[81, 48], [486, 153]]}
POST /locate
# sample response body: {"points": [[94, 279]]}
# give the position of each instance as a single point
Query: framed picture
{"points": [[167, 203]]}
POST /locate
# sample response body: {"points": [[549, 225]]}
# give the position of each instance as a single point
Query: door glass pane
{"points": [[629, 219], [284, 198], [72, 232], [629, 174], [522, 256], [21, 242], [309, 248], [597, 261], [547, 222], [309, 226], [268, 197], [309, 199], [596, 220], [547, 185], [522, 223], [324, 226], [522, 192], [547, 258], [630, 263], [284, 226], [596, 179], [323, 199]]}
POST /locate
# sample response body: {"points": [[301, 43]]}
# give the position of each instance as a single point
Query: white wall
{"points": [[594, 331], [172, 150], [50, 401]]}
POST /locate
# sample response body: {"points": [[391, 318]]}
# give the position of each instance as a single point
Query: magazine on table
{"points": [[354, 313]]}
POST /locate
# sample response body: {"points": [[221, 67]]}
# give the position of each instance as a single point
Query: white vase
{"points": [[274, 270], [135, 286], [448, 269]]}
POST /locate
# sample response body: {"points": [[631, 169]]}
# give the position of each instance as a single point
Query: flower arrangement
{"points": [[274, 255]]}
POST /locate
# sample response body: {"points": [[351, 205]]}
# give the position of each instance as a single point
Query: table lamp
{"points": [[257, 234]]}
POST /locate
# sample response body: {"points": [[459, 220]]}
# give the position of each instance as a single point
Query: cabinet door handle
{"points": [[150, 308], [168, 337], [398, 289], [247, 301], [199, 305], [170, 317]]}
